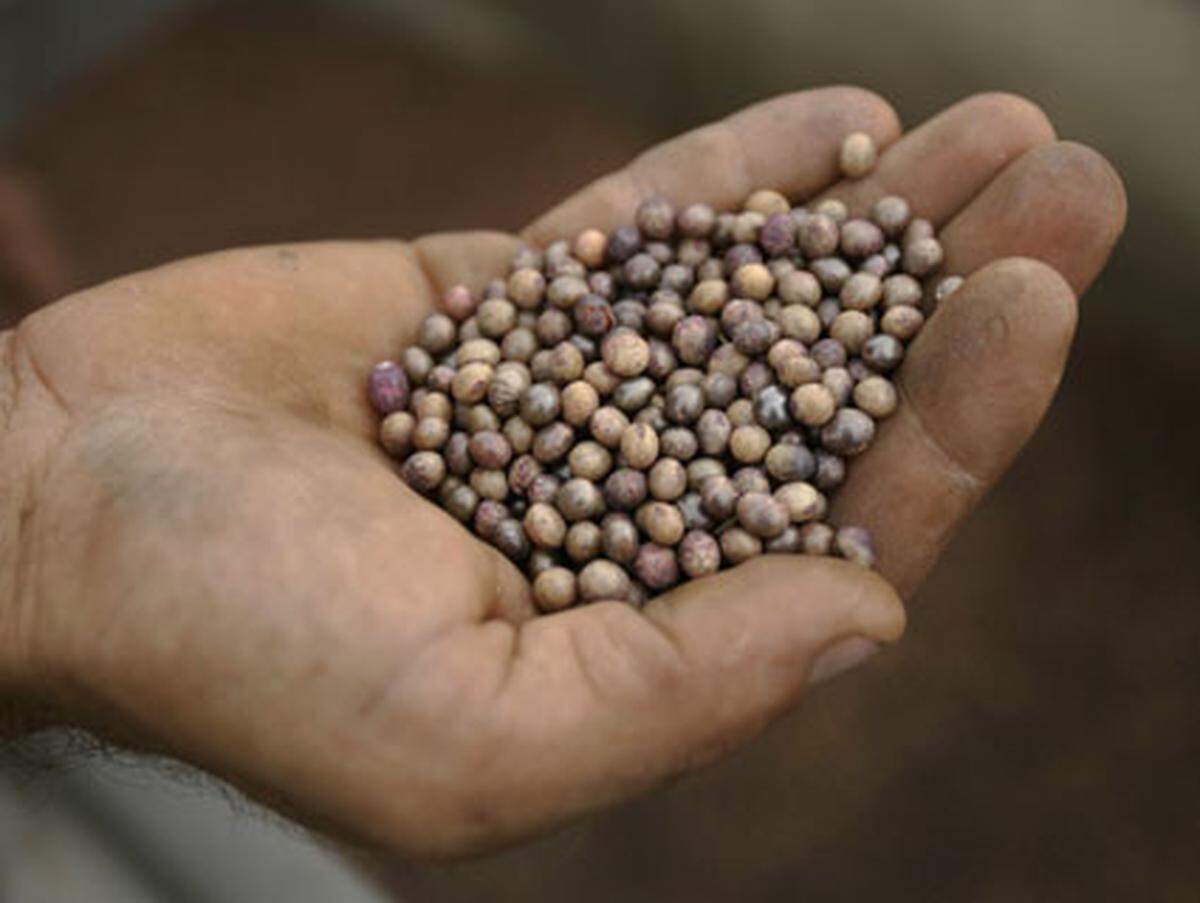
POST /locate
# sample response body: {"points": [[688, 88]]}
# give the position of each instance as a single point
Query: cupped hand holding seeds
{"points": [[208, 555]]}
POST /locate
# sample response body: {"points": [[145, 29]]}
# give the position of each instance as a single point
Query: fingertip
{"points": [[1013, 115]]}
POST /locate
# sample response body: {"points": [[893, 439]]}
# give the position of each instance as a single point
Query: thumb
{"points": [[604, 701]]}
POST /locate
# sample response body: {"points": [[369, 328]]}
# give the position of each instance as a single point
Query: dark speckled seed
{"points": [[828, 353], [634, 394], [509, 537], [751, 479], [713, 430], [620, 538], [652, 416], [831, 471], [678, 442], [593, 316], [740, 255], [883, 353], [662, 360], [578, 500], [755, 336], [388, 388], [699, 554], [817, 236], [623, 243], [552, 442], [691, 506], [696, 221], [625, 489], [661, 317], [490, 449], [816, 539], [778, 235], [861, 238], [628, 312], [521, 474], [762, 515], [719, 497], [684, 403], [854, 544], [424, 471], [849, 433], [641, 271], [655, 218], [831, 272], [656, 566], [678, 278], [488, 514], [540, 404], [754, 378], [771, 408], [544, 488], [458, 454], [719, 389], [789, 463], [693, 339]]}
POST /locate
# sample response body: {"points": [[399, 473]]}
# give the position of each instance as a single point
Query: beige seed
{"points": [[579, 400], [602, 580], [852, 328], [765, 202], [590, 247], [639, 445], [753, 281], [902, 322], [802, 501], [876, 396], [748, 444], [662, 522], [471, 382], [544, 526], [554, 589], [858, 155], [812, 404], [396, 431]]}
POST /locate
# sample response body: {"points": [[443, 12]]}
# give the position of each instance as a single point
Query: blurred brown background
{"points": [[1035, 737]]}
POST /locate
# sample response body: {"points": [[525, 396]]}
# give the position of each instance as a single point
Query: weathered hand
{"points": [[207, 554]]}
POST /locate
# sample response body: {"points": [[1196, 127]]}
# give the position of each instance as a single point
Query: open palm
{"points": [[217, 562]]}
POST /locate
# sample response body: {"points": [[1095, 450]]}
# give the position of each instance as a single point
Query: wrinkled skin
{"points": [[205, 553]]}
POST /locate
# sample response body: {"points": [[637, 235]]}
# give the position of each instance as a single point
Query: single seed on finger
{"points": [[858, 155]]}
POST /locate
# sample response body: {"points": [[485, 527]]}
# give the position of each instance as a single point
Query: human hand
{"points": [[207, 555]]}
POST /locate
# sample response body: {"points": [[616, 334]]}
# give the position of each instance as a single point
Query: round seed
{"points": [[662, 522], [552, 442], [719, 497], [816, 539], [544, 526], [490, 449], [748, 444], [787, 462], [858, 155], [424, 471], [802, 501], [813, 404], [584, 541], [388, 388], [395, 433], [854, 544], [639, 446], [625, 352], [762, 515], [620, 538], [882, 353], [699, 554], [656, 566], [667, 479], [848, 433], [696, 221], [737, 545], [554, 589], [876, 396], [602, 580], [509, 537], [578, 500]]}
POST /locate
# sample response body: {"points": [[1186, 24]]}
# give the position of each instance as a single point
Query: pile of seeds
{"points": [[626, 411]]}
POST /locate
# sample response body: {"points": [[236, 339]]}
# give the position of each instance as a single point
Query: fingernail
{"points": [[841, 657]]}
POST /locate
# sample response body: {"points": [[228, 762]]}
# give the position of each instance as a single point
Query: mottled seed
{"points": [[641, 271], [521, 474], [802, 501], [495, 317], [848, 433], [748, 444], [488, 515], [854, 544], [579, 499], [656, 566], [540, 404], [798, 370], [831, 272], [424, 471], [902, 322], [817, 236], [699, 554], [679, 443], [691, 506], [701, 469], [552, 442], [719, 497], [693, 339], [922, 257], [858, 155], [623, 243], [862, 291], [755, 337], [831, 471], [891, 214], [437, 333], [816, 539], [738, 545], [602, 580], [696, 221], [388, 388], [838, 381], [754, 378], [771, 408], [430, 433], [620, 538], [778, 234], [625, 352], [634, 394], [639, 446], [490, 449], [861, 238], [788, 462], [599, 377], [509, 537], [719, 389], [471, 383], [751, 479]]}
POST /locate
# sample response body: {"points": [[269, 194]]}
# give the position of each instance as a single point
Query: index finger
{"points": [[789, 143]]}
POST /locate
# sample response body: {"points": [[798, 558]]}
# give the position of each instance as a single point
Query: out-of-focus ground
{"points": [[1035, 735]]}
